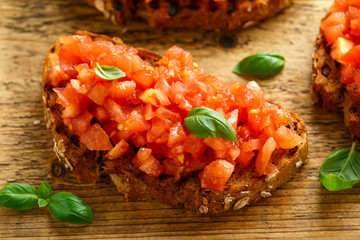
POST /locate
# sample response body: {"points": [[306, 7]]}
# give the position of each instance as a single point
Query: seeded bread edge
{"points": [[328, 92]]}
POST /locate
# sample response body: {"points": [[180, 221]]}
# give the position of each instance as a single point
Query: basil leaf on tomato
{"points": [[341, 170], [205, 123], [67, 207], [261, 64], [19, 196], [108, 72]]}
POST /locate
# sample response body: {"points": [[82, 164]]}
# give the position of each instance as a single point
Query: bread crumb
{"points": [[245, 192], [241, 203], [205, 201], [36, 122]]}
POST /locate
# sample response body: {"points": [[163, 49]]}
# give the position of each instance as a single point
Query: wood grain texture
{"points": [[301, 208]]}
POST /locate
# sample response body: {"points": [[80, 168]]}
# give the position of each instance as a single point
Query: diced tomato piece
{"points": [[165, 113], [119, 150], [245, 158], [163, 86], [353, 89], [251, 145], [176, 135], [144, 78], [172, 167], [233, 118], [264, 156], [95, 138], [219, 145], [115, 110], [142, 156], [194, 146], [334, 26], [154, 97], [249, 95], [216, 174], [352, 56], [56, 75], [136, 122], [286, 138], [139, 139], [148, 112], [347, 73], [122, 90], [152, 166], [81, 122], [98, 93], [233, 152], [101, 115], [157, 128]]}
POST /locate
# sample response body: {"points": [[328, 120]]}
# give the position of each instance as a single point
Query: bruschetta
{"points": [[213, 14], [132, 128], [336, 63]]}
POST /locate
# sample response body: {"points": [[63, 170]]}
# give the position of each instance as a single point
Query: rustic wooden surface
{"points": [[301, 208]]}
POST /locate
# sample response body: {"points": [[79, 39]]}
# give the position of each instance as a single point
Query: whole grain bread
{"points": [[244, 186], [327, 90], [226, 14]]}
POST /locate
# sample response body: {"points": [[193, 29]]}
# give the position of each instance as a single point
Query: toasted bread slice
{"points": [[327, 90], [226, 15], [244, 186]]}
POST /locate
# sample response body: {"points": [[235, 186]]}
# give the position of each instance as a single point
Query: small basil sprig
{"points": [[63, 206], [108, 72], [261, 64], [341, 170], [205, 123]]}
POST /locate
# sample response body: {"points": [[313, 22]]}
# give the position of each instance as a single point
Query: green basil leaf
{"points": [[45, 190], [19, 196], [108, 72], [205, 123], [341, 170], [69, 208], [261, 64], [43, 202]]}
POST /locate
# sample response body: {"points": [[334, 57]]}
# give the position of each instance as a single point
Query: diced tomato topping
{"points": [[146, 110], [81, 122], [119, 150], [122, 90], [216, 174], [141, 157], [264, 156], [95, 138], [286, 138], [98, 93], [341, 29]]}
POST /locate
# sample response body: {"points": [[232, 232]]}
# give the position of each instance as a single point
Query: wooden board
{"points": [[301, 208]]}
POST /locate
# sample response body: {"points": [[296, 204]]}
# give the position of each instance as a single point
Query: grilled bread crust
{"points": [[226, 15], [328, 92], [244, 186]]}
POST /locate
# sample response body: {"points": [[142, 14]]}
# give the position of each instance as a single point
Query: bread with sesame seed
{"points": [[244, 187]]}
